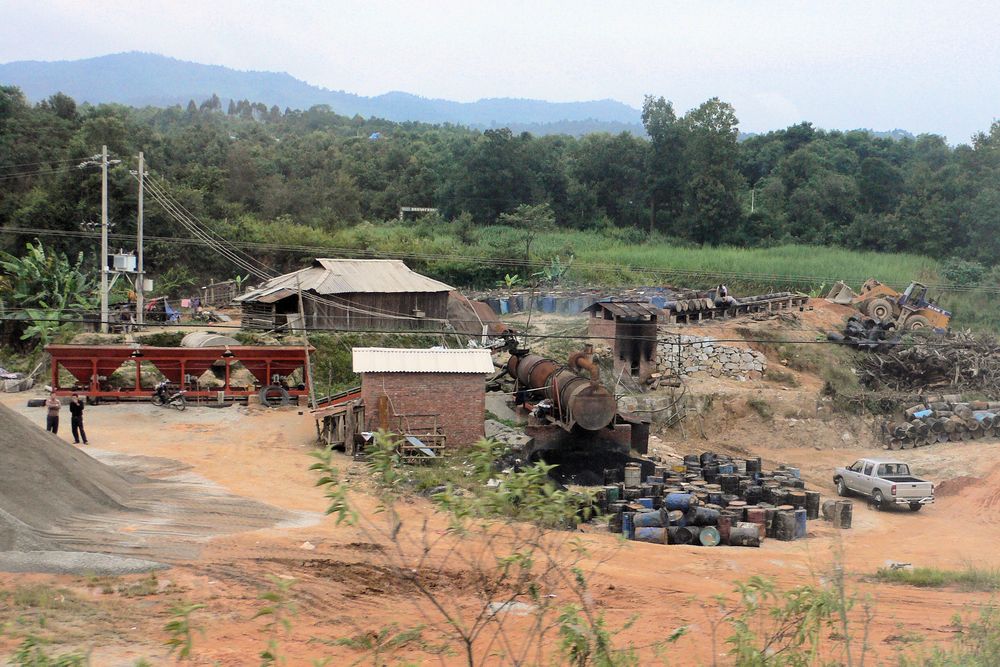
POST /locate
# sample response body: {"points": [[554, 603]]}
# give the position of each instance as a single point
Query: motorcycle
{"points": [[163, 396]]}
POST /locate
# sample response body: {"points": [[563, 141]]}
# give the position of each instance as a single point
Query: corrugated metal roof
{"points": [[631, 309], [349, 276], [400, 360]]}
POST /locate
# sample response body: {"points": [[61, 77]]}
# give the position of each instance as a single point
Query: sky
{"points": [[918, 65]]}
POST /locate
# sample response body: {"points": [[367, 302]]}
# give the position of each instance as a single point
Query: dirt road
{"points": [[344, 586]]}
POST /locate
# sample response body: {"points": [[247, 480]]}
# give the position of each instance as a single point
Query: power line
{"points": [[43, 162], [436, 332], [27, 174]]}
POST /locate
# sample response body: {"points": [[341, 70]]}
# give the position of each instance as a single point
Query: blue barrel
{"points": [[709, 537], [655, 519], [677, 501], [548, 304], [655, 535], [658, 301], [654, 479], [676, 518], [628, 527], [645, 502], [726, 468], [800, 523], [715, 498], [504, 307]]}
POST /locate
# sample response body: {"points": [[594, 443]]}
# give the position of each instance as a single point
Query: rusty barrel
{"points": [[726, 521], [702, 516], [678, 535], [757, 515], [845, 513], [812, 504], [784, 526], [654, 535], [744, 535], [796, 498]]}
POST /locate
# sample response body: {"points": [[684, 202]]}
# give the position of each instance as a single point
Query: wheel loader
{"points": [[909, 309]]}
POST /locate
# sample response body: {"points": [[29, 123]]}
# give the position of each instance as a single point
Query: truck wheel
{"points": [[917, 322], [877, 500], [880, 309], [841, 487], [915, 507]]}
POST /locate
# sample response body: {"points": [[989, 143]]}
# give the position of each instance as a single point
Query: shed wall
{"points": [[458, 400]]}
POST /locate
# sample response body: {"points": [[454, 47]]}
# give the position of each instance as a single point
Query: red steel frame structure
{"points": [[91, 365]]}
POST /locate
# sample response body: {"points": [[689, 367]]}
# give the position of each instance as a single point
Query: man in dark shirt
{"points": [[76, 419]]}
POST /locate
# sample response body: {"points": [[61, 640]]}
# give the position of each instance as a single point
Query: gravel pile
{"points": [[44, 484]]}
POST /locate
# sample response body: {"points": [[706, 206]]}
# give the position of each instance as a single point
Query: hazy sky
{"points": [[924, 66]]}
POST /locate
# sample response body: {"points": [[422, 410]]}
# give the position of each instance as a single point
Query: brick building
{"points": [[425, 392], [629, 329]]}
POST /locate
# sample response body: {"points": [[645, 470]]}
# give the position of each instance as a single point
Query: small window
{"points": [[884, 470], [868, 468], [856, 466]]}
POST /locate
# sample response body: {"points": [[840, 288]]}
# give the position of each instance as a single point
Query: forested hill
{"points": [[140, 79], [258, 174]]}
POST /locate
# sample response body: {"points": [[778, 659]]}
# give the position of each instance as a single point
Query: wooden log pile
{"points": [[959, 362], [944, 418]]}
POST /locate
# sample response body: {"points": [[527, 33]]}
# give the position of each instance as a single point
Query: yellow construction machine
{"points": [[909, 309]]}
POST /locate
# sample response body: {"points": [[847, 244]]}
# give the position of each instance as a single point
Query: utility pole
{"points": [[140, 277], [307, 371], [104, 239]]}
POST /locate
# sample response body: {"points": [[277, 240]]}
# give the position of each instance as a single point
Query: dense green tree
{"points": [[253, 169]]}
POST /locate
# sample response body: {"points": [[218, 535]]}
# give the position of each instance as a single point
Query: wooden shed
{"points": [[348, 295]]}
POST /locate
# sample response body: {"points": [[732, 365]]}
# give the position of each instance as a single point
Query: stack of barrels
{"points": [[694, 305], [709, 499], [943, 419]]}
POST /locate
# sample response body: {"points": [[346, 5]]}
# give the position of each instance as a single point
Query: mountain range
{"points": [[141, 79]]}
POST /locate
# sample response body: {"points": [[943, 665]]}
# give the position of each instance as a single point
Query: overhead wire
{"points": [[31, 164], [248, 263], [556, 336]]}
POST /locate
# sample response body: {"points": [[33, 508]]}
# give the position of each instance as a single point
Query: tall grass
{"points": [[971, 578], [480, 256]]}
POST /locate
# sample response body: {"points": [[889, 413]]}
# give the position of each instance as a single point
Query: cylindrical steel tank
{"points": [[575, 399]]}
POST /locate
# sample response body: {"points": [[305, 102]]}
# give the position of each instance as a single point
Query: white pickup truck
{"points": [[886, 482]]}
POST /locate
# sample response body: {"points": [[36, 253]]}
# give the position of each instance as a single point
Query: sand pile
{"points": [[45, 482]]}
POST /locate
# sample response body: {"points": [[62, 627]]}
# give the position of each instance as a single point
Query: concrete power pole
{"points": [[104, 239], [140, 313]]}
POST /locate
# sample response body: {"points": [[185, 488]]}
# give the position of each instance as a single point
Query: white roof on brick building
{"points": [[400, 360]]}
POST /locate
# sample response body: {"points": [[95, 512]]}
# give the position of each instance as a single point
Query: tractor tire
{"points": [[917, 322], [880, 309], [267, 392]]}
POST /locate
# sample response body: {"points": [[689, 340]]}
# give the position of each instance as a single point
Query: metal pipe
{"points": [[576, 400]]}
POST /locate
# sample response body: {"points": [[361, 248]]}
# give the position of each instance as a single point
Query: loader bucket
{"points": [[841, 293]]}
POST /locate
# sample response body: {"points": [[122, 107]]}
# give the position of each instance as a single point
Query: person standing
{"points": [[52, 406], [76, 419]]}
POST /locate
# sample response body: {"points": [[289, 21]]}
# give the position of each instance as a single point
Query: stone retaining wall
{"points": [[694, 357]]}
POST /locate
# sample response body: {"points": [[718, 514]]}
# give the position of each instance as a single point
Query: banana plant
{"points": [[44, 289]]}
